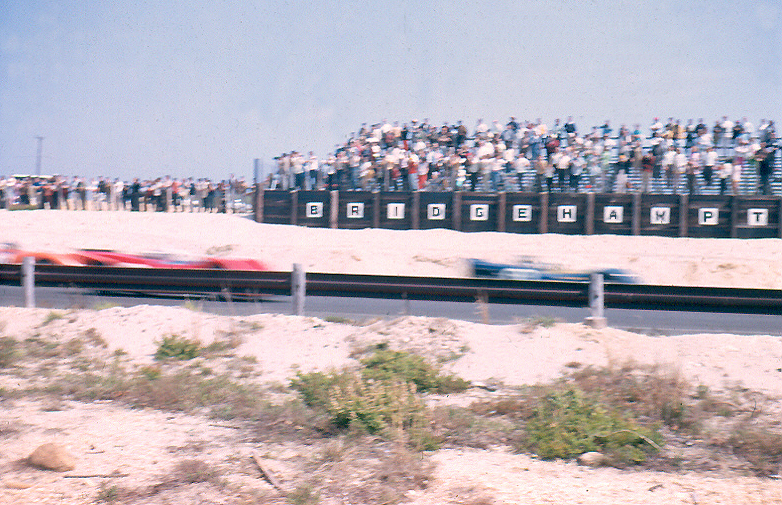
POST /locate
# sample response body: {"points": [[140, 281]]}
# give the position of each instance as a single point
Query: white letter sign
{"points": [[566, 213], [479, 212], [613, 214], [314, 209], [355, 210], [435, 211], [522, 213], [395, 211], [660, 215], [709, 216], [757, 217]]}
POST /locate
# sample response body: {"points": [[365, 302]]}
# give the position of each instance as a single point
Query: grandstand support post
{"points": [[543, 218], [258, 215], [456, 211], [636, 224], [415, 212], [376, 209], [779, 220], [596, 318], [298, 288], [684, 213], [334, 209], [734, 217], [28, 281], [589, 219], [502, 202], [294, 206]]}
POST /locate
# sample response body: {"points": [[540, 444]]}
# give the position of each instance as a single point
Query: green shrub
{"points": [[567, 423], [352, 400], [174, 346], [315, 387], [386, 365], [373, 405]]}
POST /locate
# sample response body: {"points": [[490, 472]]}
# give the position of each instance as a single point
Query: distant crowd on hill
{"points": [[670, 157], [102, 193]]}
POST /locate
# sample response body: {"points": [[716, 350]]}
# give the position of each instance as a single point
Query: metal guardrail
{"points": [[234, 283]]}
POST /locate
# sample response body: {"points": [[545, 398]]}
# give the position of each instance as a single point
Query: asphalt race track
{"points": [[646, 321]]}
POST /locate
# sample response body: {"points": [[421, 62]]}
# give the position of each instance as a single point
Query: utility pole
{"points": [[38, 157]]}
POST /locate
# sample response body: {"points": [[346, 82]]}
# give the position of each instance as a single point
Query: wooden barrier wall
{"points": [[709, 216]]}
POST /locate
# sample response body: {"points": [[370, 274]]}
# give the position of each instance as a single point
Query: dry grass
{"points": [[367, 470]]}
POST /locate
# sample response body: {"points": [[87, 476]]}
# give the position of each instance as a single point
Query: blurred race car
{"points": [[11, 253], [528, 270], [102, 257]]}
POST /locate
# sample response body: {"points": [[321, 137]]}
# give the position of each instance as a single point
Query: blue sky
{"points": [[201, 88]]}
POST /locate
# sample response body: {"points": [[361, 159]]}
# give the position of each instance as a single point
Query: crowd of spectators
{"points": [[161, 194], [669, 157]]}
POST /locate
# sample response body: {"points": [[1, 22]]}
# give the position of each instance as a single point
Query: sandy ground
{"points": [[106, 437]]}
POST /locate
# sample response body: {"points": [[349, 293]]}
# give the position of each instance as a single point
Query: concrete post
{"points": [[298, 288], [596, 302], [28, 281]]}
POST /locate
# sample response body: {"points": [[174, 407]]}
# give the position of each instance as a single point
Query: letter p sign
{"points": [[709, 216]]}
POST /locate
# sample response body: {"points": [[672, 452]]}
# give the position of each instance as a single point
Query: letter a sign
{"points": [[613, 214]]}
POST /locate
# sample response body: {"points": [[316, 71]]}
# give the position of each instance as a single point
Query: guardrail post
{"points": [[298, 288], [596, 302], [28, 281]]}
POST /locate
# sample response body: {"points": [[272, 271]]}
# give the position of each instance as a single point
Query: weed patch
{"points": [[568, 423], [402, 366], [174, 346]]}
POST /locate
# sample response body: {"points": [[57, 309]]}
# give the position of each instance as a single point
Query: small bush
{"points": [[567, 423], [174, 346], [403, 366], [373, 405], [352, 400]]}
